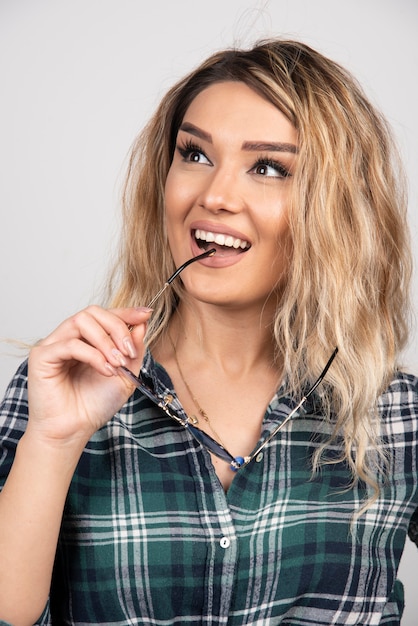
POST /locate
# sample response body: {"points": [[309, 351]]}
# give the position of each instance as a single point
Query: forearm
{"points": [[31, 507], [73, 389]]}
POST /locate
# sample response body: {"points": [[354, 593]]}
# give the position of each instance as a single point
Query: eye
{"points": [[193, 153], [270, 169]]}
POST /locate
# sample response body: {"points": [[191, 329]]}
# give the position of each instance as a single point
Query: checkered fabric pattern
{"points": [[149, 536]]}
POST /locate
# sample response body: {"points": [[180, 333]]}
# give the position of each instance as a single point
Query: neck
{"points": [[233, 341]]}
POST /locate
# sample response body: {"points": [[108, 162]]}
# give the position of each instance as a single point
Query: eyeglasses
{"points": [[199, 435]]}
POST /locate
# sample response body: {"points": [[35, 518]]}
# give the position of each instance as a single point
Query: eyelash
{"points": [[189, 147], [280, 169]]}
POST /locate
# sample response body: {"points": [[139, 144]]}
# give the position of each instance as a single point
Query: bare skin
{"points": [[234, 184], [73, 390], [213, 356], [231, 175]]}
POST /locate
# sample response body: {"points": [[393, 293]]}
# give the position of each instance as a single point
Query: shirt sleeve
{"points": [[13, 419]]}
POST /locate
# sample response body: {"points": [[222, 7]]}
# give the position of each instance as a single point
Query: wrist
{"points": [[45, 449]]}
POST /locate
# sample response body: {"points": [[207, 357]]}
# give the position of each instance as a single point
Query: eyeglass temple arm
{"points": [[210, 252], [127, 372], [312, 389], [294, 410], [322, 376]]}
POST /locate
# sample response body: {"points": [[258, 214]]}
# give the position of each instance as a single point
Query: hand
{"points": [[73, 384]]}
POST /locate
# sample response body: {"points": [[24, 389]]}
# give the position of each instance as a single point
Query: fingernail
{"points": [[119, 356], [143, 309], [111, 369], [130, 348]]}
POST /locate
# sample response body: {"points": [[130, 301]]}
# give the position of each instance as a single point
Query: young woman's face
{"points": [[228, 188]]}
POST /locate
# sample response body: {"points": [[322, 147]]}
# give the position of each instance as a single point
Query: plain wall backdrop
{"points": [[80, 78]]}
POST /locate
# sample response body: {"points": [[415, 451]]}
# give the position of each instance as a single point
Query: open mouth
{"points": [[225, 245]]}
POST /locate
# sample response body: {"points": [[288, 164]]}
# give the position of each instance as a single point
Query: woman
{"points": [[279, 345]]}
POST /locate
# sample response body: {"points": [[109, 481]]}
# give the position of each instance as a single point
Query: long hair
{"points": [[348, 280]]}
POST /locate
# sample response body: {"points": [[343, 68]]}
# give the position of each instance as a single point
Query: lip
{"points": [[217, 261]]}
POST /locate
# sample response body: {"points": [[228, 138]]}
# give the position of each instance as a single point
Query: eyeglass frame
{"points": [[199, 435]]}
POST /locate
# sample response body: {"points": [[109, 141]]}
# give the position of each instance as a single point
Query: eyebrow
{"points": [[255, 146], [276, 146]]}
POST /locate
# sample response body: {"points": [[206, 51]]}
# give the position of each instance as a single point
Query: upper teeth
{"points": [[221, 240]]}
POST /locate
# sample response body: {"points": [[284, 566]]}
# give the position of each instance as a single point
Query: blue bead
{"points": [[239, 460]]}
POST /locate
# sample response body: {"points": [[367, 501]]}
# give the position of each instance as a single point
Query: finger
{"points": [[129, 335], [136, 320], [105, 330], [93, 326], [133, 315], [54, 359]]}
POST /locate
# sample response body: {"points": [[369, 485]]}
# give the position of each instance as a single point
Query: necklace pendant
{"points": [[193, 419]]}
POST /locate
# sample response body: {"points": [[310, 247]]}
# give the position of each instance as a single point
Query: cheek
{"points": [[169, 192], [277, 228], [176, 196], [274, 217], [170, 204], [176, 205]]}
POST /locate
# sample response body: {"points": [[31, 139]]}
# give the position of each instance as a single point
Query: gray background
{"points": [[79, 78]]}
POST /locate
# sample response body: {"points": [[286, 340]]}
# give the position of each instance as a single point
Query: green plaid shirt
{"points": [[150, 537]]}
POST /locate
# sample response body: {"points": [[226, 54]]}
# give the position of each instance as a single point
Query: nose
{"points": [[222, 191]]}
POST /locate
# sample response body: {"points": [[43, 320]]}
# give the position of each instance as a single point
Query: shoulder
{"points": [[403, 389], [399, 402], [15, 396], [13, 418]]}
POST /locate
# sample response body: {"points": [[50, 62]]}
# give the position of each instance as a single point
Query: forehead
{"points": [[235, 106]]}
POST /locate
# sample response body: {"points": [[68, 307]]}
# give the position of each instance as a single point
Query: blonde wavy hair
{"points": [[348, 280]]}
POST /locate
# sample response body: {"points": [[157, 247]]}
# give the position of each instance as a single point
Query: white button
{"points": [[225, 542], [259, 457]]}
